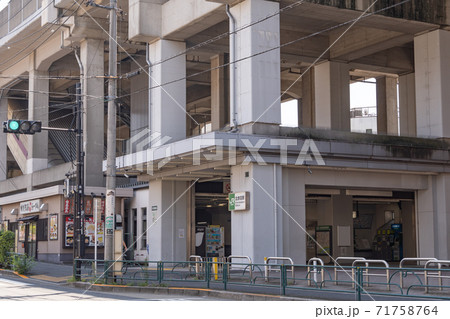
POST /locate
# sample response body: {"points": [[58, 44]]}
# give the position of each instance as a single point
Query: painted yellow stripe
{"points": [[104, 285], [16, 273], [21, 276], [181, 288]]}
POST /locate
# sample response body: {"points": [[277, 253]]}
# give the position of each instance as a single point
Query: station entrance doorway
{"points": [[374, 224], [212, 220]]}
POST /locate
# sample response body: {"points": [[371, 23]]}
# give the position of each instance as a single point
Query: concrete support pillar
{"points": [[433, 218], [139, 101], [258, 82], [94, 114], [3, 143], [306, 103], [38, 110], [332, 96], [168, 101], [257, 232], [294, 226], [431, 56], [219, 96], [342, 206], [407, 101], [387, 113], [166, 220]]}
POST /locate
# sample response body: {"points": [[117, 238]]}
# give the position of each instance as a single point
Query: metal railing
{"points": [[437, 275], [250, 266], [268, 266], [290, 279], [340, 268], [315, 270], [367, 262], [408, 260]]}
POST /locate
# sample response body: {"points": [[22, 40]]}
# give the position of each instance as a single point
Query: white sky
{"points": [[361, 95], [3, 3]]}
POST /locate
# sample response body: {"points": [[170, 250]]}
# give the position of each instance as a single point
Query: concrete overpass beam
{"points": [[168, 100], [93, 103], [332, 96], [38, 107], [387, 112], [431, 56], [407, 100], [257, 76]]}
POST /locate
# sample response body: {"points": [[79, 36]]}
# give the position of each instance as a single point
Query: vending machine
{"points": [[215, 241]]}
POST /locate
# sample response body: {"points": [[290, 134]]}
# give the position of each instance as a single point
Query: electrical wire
{"points": [[269, 50]]}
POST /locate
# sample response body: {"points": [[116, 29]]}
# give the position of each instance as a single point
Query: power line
{"points": [[45, 30], [269, 50]]}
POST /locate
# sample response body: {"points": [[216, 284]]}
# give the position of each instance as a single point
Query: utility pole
{"points": [[111, 134], [78, 251]]}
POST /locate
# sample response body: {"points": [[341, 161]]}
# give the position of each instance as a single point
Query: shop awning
{"points": [[34, 217]]}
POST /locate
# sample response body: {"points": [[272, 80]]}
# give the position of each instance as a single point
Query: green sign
{"points": [[238, 201], [231, 201]]}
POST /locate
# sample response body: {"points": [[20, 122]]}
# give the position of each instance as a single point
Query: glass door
{"points": [[30, 240]]}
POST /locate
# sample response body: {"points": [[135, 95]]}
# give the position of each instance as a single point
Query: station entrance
{"points": [[212, 220], [371, 224]]}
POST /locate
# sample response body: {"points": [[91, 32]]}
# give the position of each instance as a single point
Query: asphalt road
{"points": [[37, 290]]}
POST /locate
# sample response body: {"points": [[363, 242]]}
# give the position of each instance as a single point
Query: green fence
{"points": [[278, 278]]}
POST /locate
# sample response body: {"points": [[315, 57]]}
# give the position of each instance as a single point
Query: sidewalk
{"points": [[57, 273]]}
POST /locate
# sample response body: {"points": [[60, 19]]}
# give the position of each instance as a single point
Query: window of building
{"points": [[144, 228]]}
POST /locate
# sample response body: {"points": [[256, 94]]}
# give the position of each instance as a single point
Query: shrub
{"points": [[6, 247], [22, 264]]}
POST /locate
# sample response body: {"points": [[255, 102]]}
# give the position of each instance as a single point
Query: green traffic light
{"points": [[13, 125]]}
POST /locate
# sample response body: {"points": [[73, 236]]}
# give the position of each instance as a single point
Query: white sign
{"points": [[238, 201], [32, 206]]}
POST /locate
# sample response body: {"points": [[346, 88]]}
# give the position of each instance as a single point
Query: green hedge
{"points": [[6, 246]]}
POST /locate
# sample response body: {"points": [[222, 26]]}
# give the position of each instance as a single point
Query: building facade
{"points": [[200, 88]]}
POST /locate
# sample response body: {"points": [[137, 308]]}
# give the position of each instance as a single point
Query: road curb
{"points": [[11, 273], [232, 295]]}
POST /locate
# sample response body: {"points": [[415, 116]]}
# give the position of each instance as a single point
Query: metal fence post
{"points": [[75, 270], [208, 273], [225, 275], [106, 271], [160, 269], [283, 279], [358, 284]]}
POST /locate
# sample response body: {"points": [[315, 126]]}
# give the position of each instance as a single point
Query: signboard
{"points": [[238, 201], [29, 207], [324, 240], [68, 231], [89, 225], [53, 229], [67, 206], [89, 231]]}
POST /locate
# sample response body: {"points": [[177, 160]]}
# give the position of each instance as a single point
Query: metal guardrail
{"points": [[437, 275], [146, 273], [198, 264], [340, 268], [250, 266], [407, 260], [267, 266], [367, 262], [315, 270]]}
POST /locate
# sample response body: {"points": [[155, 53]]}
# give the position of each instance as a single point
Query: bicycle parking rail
{"points": [[197, 265], [267, 267], [405, 260], [437, 275], [342, 268], [250, 266], [367, 262], [314, 270]]}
